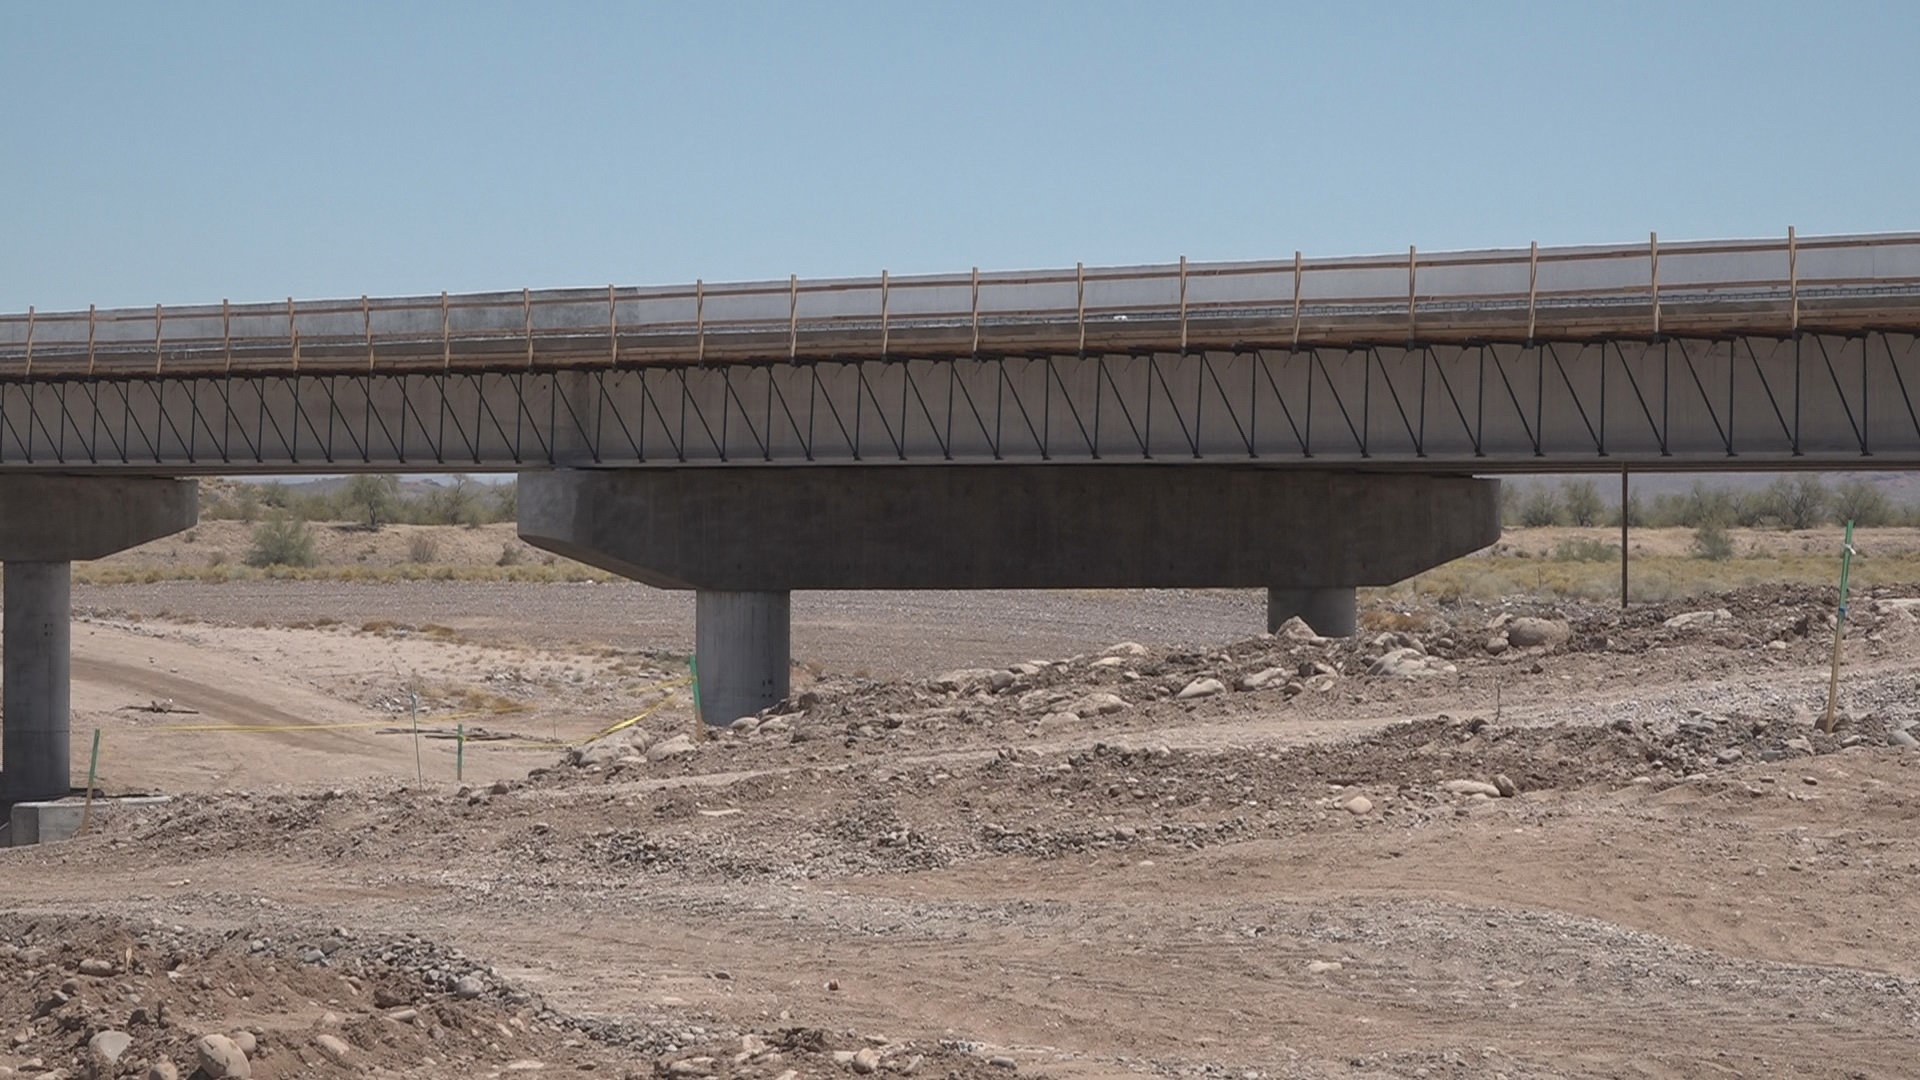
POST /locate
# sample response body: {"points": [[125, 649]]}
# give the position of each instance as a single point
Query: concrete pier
{"points": [[745, 537], [1329, 612], [46, 524], [743, 651], [35, 748]]}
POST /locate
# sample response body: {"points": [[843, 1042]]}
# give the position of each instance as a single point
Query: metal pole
{"points": [[413, 712], [1623, 536], [1839, 631], [93, 765]]}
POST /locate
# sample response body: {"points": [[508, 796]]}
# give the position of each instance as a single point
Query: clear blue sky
{"points": [[188, 152]]}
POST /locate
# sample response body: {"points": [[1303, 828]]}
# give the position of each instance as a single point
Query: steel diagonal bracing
{"points": [[1819, 399], [1904, 395]]}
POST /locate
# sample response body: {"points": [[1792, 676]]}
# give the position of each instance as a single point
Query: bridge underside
{"points": [[745, 538], [1744, 402]]}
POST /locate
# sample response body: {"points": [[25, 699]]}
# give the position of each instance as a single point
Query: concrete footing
{"points": [[1329, 612], [46, 523], [742, 651], [51, 822]]}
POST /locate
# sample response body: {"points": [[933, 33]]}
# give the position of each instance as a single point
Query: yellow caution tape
{"points": [[642, 715]]}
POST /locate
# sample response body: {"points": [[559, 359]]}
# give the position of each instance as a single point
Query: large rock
{"points": [[1200, 688], [966, 680], [1265, 677], [603, 751], [1699, 620], [162, 1070], [672, 747], [1409, 663], [1527, 632], [220, 1059], [1097, 704], [1398, 639], [335, 1048], [1295, 629], [107, 1046]]}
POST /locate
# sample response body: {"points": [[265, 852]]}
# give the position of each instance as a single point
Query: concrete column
{"points": [[48, 522], [743, 646], [1333, 612], [35, 747]]}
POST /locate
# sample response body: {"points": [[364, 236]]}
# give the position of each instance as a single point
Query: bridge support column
{"points": [[743, 651], [35, 747], [1330, 612], [744, 537], [47, 523]]}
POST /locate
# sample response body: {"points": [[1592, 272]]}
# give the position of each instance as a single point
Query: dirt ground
{"points": [[1073, 835]]}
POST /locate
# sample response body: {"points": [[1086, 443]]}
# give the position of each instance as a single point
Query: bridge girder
{"points": [[1811, 400]]}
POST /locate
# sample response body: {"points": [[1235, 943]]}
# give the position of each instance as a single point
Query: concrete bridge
{"points": [[1305, 425]]}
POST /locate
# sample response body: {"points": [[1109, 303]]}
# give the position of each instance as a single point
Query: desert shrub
{"points": [[453, 504], [1636, 513], [320, 507], [506, 501], [282, 540], [1860, 502], [375, 498], [1585, 549], [1539, 507], [1695, 508], [422, 547], [1711, 542], [1799, 502], [1582, 502], [1753, 509]]}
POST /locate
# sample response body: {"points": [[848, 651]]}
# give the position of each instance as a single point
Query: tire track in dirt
{"points": [[214, 705]]}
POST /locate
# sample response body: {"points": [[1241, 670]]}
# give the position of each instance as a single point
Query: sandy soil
{"points": [[1748, 543], [884, 633], [1090, 865]]}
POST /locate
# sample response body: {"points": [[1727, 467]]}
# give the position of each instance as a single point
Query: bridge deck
{"points": [[1714, 289]]}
